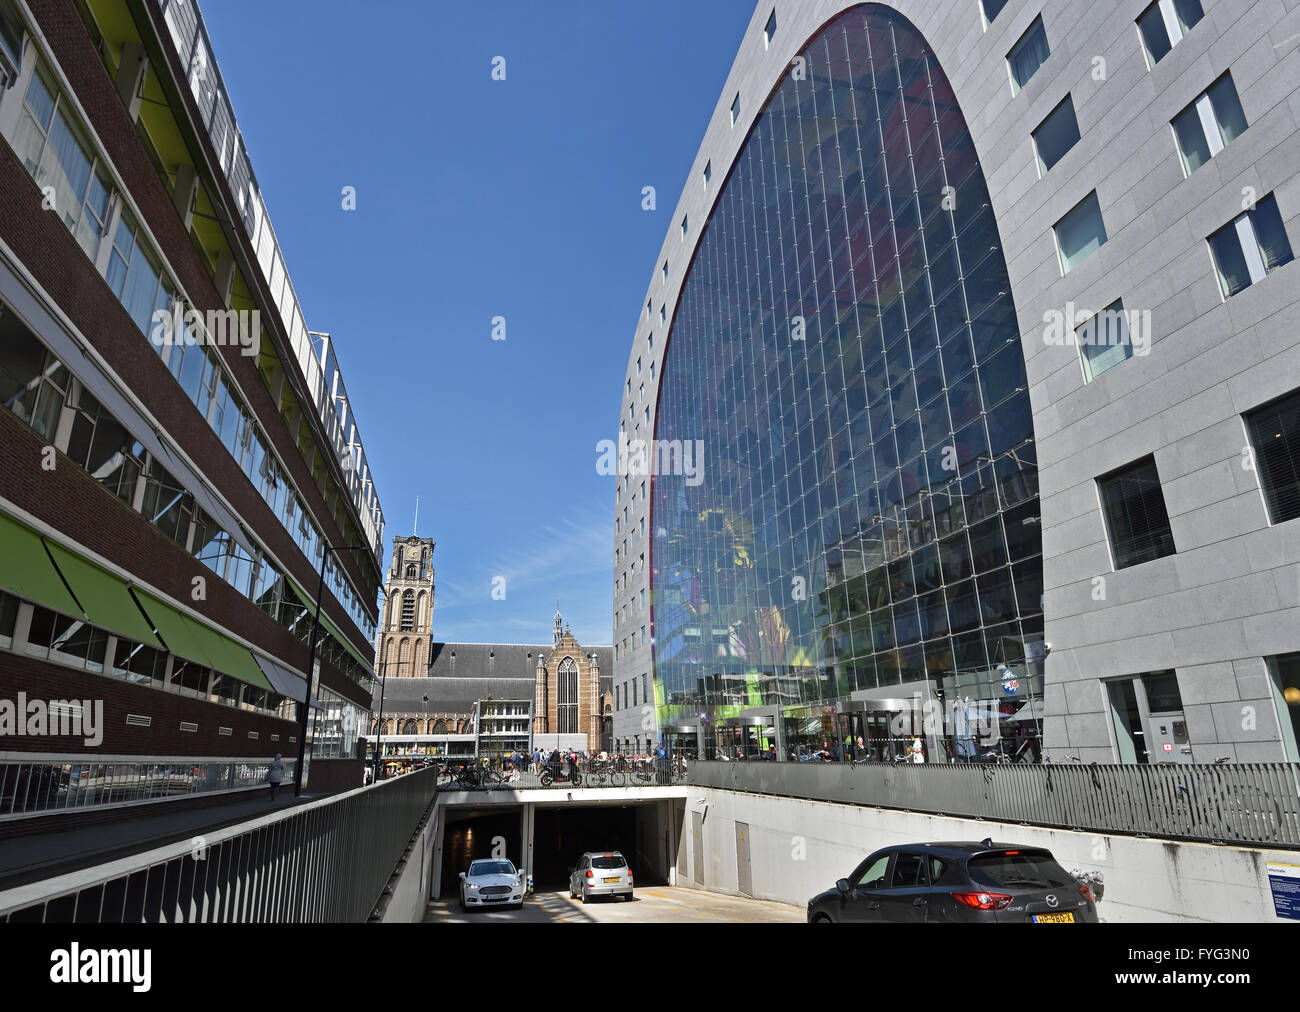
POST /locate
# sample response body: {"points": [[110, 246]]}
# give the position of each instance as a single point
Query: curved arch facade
{"points": [[865, 427]]}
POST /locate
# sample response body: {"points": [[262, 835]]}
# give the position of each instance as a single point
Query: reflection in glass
{"points": [[847, 534]]}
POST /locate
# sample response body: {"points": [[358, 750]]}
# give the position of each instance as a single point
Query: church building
{"points": [[438, 698]]}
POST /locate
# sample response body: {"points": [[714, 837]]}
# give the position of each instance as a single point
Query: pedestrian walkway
{"points": [[42, 855]]}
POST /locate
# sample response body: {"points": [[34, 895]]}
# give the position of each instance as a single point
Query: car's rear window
{"points": [[1026, 869], [608, 861], [491, 868]]}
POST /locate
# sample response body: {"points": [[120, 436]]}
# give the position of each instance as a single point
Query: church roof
{"points": [[449, 695], [460, 673]]}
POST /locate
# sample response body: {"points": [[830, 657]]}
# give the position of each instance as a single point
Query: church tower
{"points": [[406, 629]]}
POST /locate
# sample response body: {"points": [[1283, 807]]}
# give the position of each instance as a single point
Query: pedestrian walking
{"points": [[275, 774]]}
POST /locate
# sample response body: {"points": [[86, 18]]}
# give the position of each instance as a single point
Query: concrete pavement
{"points": [[650, 905]]}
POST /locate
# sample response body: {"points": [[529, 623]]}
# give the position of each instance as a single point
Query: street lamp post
{"points": [[311, 658], [379, 725]]}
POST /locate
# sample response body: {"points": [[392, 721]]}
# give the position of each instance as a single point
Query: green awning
{"points": [[196, 642], [26, 569], [107, 602], [329, 626], [230, 658], [337, 633]]}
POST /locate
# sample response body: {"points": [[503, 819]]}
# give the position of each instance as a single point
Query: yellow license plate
{"points": [[1054, 918], [614, 879]]}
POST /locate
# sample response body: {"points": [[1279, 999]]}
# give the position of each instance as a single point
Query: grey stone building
{"points": [[1021, 323]]}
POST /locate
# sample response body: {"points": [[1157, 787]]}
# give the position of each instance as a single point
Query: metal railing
{"points": [[1245, 803], [326, 861], [468, 775], [55, 785]]}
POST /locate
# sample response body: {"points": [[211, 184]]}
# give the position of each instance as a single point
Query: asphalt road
{"points": [[651, 905]]}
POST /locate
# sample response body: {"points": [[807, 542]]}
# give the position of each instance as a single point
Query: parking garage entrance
{"points": [[643, 831], [474, 833]]}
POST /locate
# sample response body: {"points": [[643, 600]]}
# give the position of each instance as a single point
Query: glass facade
{"points": [[846, 350]]}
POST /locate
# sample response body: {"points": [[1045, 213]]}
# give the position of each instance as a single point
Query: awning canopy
{"points": [[105, 598], [310, 604], [191, 639], [26, 569], [283, 681]]}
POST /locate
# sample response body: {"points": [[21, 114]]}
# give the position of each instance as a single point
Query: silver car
{"points": [[491, 883], [600, 873]]}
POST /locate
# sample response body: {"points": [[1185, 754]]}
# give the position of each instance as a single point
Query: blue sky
{"points": [[474, 199]]}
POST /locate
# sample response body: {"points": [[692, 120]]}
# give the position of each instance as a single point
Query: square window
{"points": [[991, 9], [1056, 135], [1163, 25], [1028, 55], [1206, 126], [1104, 341], [1274, 431], [1136, 520], [735, 109], [1250, 247], [1080, 233], [769, 30]]}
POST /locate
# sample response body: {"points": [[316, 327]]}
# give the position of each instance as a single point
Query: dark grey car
{"points": [[982, 882]]}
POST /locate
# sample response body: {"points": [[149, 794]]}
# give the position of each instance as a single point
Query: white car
{"points": [[491, 883], [600, 873]]}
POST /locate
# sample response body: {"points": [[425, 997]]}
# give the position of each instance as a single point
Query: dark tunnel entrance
{"points": [[562, 835], [478, 834]]}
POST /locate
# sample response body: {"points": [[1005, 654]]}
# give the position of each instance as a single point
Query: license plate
{"points": [[1054, 918], [614, 879]]}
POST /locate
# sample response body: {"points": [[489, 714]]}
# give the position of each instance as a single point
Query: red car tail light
{"points": [[1086, 893], [982, 901], [589, 874]]}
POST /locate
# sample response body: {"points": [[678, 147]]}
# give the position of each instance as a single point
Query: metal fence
{"points": [[54, 785], [1247, 803], [326, 861], [466, 774]]}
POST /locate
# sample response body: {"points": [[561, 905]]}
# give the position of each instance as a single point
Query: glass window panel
{"points": [[1275, 437], [1134, 506], [1155, 37], [1192, 144], [1227, 108], [1080, 233], [1028, 55], [1104, 341], [1230, 261], [1274, 248], [1056, 135]]}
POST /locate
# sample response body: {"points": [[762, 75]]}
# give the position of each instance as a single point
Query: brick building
{"points": [[168, 494]]}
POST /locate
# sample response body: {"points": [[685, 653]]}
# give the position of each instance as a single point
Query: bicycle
{"points": [[641, 774], [1240, 812], [466, 776], [603, 775]]}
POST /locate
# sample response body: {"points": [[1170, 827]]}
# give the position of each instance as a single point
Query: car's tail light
{"points": [[982, 901], [1086, 893], [590, 874]]}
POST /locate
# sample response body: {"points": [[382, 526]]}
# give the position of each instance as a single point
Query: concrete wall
{"points": [[410, 897], [799, 848]]}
